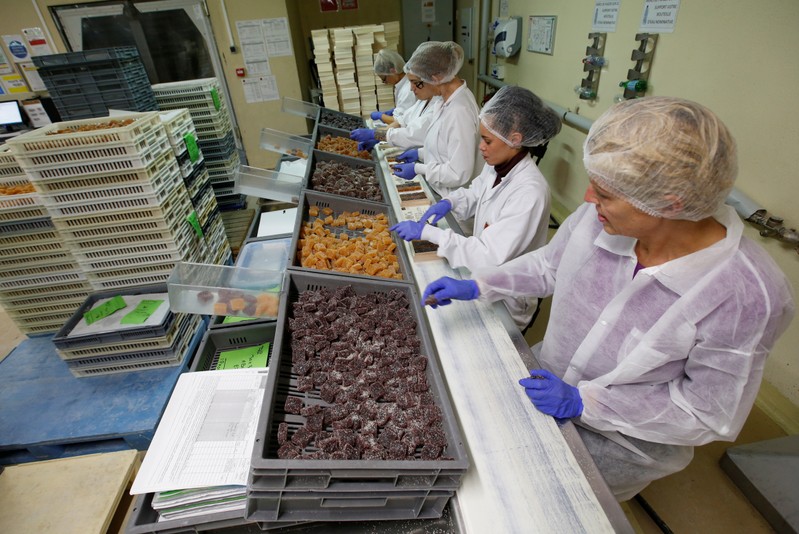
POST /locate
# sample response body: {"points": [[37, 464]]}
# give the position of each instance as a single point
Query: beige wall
{"points": [[739, 59]]}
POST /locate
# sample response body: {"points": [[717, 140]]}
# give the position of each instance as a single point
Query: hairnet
{"points": [[516, 109], [436, 62], [388, 62], [653, 150]]}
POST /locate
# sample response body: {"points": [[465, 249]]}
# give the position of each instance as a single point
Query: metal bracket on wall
{"points": [[593, 62], [643, 60]]}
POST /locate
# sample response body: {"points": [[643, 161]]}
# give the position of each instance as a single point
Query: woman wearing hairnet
{"points": [[388, 67], [663, 313], [509, 200], [448, 157]]}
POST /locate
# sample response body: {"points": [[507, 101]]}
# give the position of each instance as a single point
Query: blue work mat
{"points": [[46, 412]]}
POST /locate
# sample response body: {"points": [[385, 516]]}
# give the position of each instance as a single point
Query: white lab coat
{"points": [[509, 220], [404, 99], [450, 152], [418, 118], [673, 355]]}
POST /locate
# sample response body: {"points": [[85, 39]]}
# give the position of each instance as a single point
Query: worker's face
{"points": [[618, 216], [493, 149], [391, 79], [422, 90]]}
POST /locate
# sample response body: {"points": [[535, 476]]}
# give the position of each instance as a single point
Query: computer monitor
{"points": [[10, 116]]}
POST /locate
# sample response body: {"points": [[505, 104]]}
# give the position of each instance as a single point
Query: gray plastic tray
{"points": [[321, 130], [61, 339], [339, 204], [232, 337], [327, 117], [269, 473], [319, 156]]}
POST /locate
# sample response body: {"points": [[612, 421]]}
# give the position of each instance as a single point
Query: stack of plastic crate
{"points": [[113, 189], [41, 283], [88, 83], [205, 101], [183, 139]]}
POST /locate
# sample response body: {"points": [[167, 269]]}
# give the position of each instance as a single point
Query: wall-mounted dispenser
{"points": [[507, 37]]}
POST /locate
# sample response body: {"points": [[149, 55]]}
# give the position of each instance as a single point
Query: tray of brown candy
{"points": [[347, 236], [340, 175], [338, 141], [354, 388]]}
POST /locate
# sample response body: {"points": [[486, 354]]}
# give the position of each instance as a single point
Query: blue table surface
{"points": [[42, 402]]}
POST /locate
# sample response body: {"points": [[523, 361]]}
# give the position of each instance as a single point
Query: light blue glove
{"points": [[409, 230], [439, 209], [410, 155], [390, 112], [405, 170], [551, 395], [362, 135], [441, 292], [376, 115], [367, 145]]}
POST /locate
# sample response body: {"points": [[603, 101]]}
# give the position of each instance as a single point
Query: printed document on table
{"points": [[206, 434]]}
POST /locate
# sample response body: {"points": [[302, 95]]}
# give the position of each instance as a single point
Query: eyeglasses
{"points": [[419, 84], [382, 77]]}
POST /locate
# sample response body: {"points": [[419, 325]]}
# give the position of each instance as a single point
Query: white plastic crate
{"points": [[45, 139], [130, 156], [58, 291], [132, 261], [193, 102], [21, 203], [45, 235], [14, 180], [9, 284], [6, 156], [213, 128], [34, 248], [200, 85], [177, 123], [42, 325], [152, 172], [127, 200], [77, 296], [128, 278], [155, 235], [160, 186], [43, 312], [8, 264]]}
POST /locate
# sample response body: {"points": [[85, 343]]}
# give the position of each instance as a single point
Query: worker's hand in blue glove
{"points": [[439, 209], [410, 155], [367, 145], [390, 112], [362, 135], [408, 230], [551, 395], [442, 291], [405, 170], [376, 115]]}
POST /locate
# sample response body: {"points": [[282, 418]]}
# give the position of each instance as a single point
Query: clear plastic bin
{"points": [[300, 107], [264, 183], [222, 290], [291, 145]]}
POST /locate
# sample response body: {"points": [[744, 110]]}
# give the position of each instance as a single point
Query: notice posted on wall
{"points": [[260, 89], [659, 16], [606, 15]]}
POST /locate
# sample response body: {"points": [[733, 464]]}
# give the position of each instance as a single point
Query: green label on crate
{"points": [[104, 310], [142, 312], [236, 319], [191, 146], [215, 96], [195, 223], [244, 358]]}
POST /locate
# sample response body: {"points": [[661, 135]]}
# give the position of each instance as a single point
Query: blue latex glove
{"points": [[409, 230], [410, 155], [367, 145], [405, 170], [551, 395], [390, 112], [445, 289], [362, 135], [439, 209], [376, 115]]}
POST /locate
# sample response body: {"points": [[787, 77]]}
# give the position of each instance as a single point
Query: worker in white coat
{"points": [[388, 66], [509, 200], [417, 122], [449, 157], [663, 313]]}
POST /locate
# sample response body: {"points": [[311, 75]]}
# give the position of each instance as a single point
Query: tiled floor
{"points": [[700, 498]]}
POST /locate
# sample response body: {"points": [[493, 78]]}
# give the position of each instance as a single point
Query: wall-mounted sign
{"points": [[16, 47], [328, 5]]}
